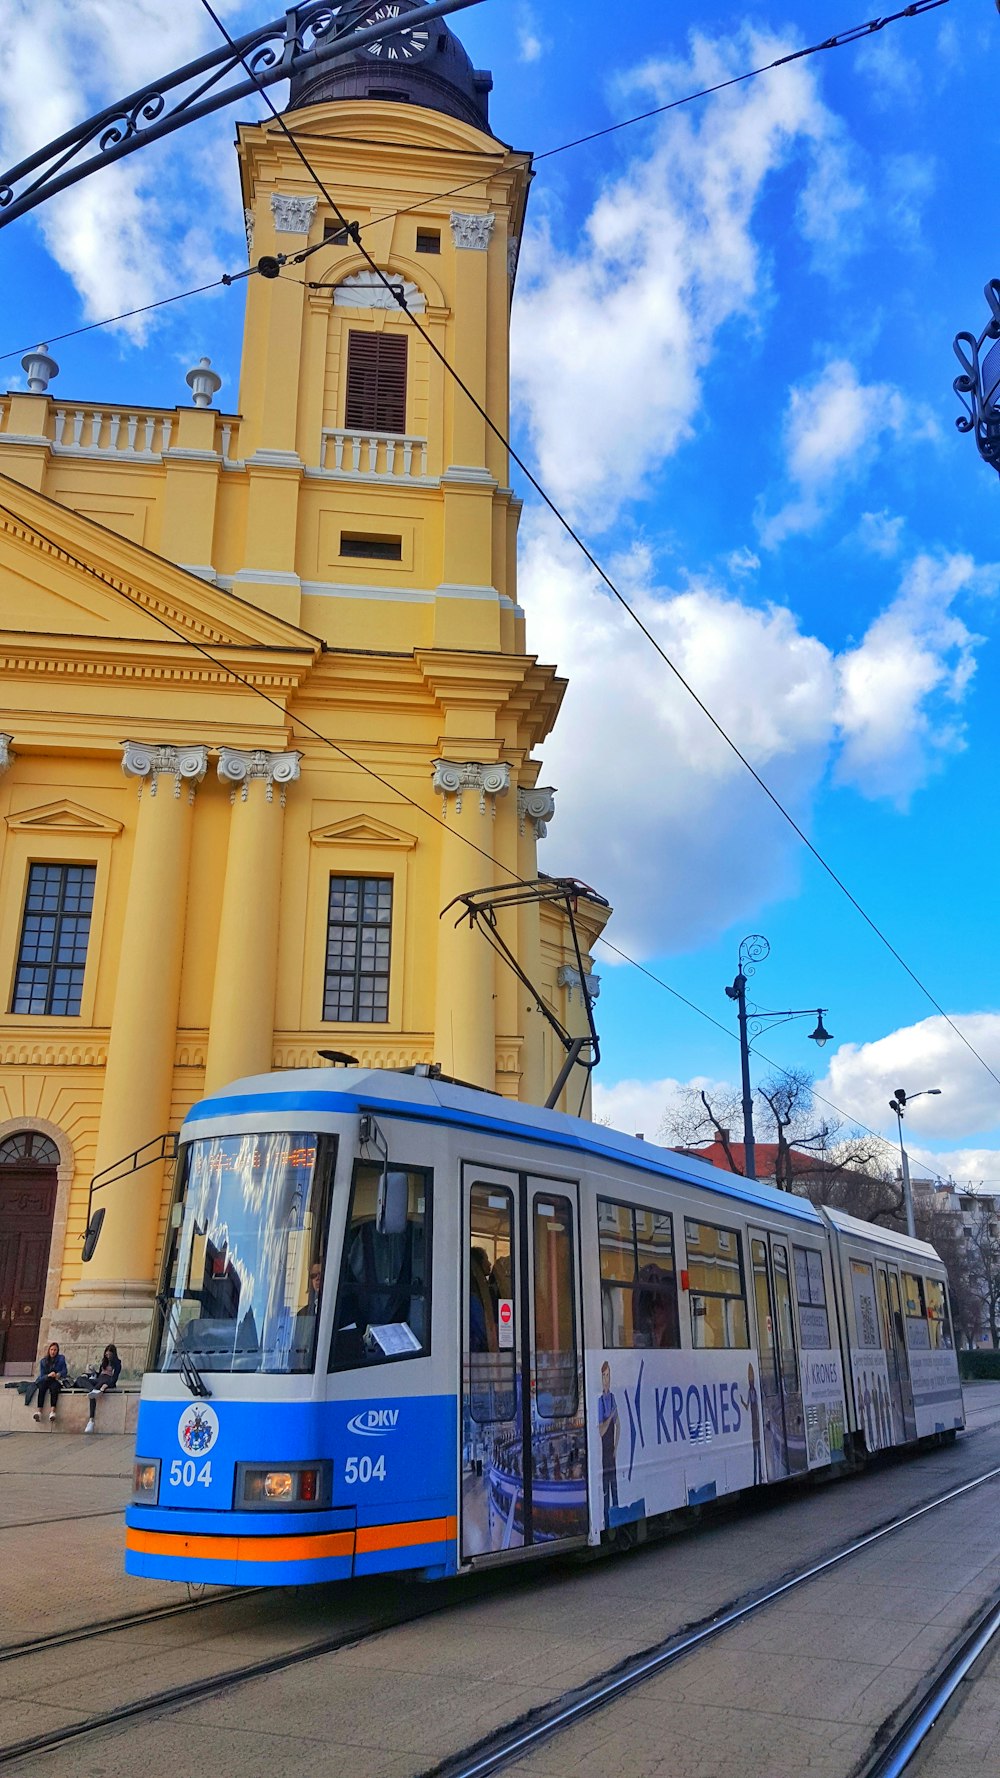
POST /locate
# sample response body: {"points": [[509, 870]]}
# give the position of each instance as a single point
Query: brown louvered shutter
{"points": [[376, 382]]}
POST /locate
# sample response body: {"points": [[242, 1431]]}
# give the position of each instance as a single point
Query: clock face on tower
{"points": [[400, 43]]}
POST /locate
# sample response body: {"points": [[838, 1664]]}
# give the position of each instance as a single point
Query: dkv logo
{"points": [[374, 1422]]}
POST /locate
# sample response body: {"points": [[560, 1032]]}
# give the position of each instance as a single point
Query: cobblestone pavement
{"points": [[797, 1690]]}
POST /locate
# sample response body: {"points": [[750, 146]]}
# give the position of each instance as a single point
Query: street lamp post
{"points": [[753, 950], [898, 1104]]}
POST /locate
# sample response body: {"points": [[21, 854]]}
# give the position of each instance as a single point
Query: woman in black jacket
{"points": [[106, 1378], [51, 1377]]}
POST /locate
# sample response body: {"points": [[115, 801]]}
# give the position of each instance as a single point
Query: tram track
{"points": [[33, 1645], [909, 1737], [514, 1741], [505, 1744]]}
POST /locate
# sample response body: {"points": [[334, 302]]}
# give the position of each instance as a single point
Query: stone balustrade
{"points": [[386, 456], [139, 435]]}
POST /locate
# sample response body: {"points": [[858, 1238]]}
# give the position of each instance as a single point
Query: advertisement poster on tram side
{"points": [[876, 1411], [937, 1393], [670, 1429], [823, 1405]]}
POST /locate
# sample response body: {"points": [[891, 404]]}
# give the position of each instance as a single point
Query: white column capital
{"points": [[160, 759], [238, 766], [6, 756], [454, 778], [538, 806], [569, 978], [292, 215], [472, 231]]}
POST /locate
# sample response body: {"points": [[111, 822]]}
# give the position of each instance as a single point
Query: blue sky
{"points": [[733, 368]]}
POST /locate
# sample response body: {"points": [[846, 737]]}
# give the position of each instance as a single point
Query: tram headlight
{"points": [[294, 1486], [145, 1480]]}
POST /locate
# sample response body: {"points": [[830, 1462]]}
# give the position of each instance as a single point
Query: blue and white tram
{"points": [[411, 1326]]}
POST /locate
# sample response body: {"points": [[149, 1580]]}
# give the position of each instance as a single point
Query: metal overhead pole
{"points": [[286, 47]]}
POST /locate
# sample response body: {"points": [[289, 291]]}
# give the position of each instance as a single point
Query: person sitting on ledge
{"points": [[51, 1377], [106, 1378]]}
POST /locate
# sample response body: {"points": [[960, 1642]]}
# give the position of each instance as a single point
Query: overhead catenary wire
{"points": [[298, 723], [399, 297], [854, 34]]}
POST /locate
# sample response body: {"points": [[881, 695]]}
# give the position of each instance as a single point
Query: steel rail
{"points": [[499, 1749], [894, 1759], [109, 1626]]}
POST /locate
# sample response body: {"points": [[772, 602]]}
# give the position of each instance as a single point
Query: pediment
{"points": [[63, 817], [363, 830], [63, 574]]}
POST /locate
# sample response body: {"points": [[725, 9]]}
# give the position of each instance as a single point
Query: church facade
{"points": [[267, 698]]}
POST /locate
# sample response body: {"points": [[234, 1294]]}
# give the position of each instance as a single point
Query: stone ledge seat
{"points": [[117, 1412]]}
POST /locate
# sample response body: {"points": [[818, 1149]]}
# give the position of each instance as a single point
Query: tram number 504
{"points": [[184, 1475], [364, 1469]]}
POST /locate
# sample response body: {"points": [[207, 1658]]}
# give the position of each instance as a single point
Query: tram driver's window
{"points": [[917, 1330], [715, 1285], [638, 1285], [384, 1298]]}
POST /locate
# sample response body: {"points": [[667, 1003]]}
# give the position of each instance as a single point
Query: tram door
{"points": [[524, 1467], [783, 1425], [904, 1424]]}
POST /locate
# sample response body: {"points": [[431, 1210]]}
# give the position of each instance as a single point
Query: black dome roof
{"points": [[444, 81]]}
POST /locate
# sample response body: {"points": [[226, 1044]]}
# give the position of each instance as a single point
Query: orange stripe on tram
{"points": [[397, 1537], [292, 1549], [230, 1549]]}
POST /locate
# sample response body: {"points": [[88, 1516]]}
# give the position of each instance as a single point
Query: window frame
{"points": [[376, 1362], [654, 1288], [724, 1295], [360, 974], [809, 1303], [78, 970], [390, 345]]}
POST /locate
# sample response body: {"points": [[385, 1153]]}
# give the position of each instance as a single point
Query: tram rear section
{"points": [[408, 1326]]}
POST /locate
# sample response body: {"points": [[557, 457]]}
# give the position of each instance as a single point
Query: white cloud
{"points": [[611, 337], [928, 1054], [654, 809], [833, 428], [901, 688], [639, 1107], [531, 45], [880, 532], [124, 235], [742, 562]]}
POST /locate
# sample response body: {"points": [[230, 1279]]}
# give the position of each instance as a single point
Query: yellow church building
{"points": [[267, 700]]}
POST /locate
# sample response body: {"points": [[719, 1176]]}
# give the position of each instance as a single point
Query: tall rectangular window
{"points": [[376, 382], [715, 1281], [54, 934], [638, 1288], [358, 939]]}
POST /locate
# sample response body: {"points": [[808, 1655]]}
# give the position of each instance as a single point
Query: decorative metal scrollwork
{"points": [[753, 950], [978, 387], [281, 50]]}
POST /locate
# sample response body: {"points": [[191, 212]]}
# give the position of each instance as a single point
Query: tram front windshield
{"points": [[245, 1260]]}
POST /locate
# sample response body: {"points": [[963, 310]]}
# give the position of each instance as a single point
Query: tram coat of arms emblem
{"points": [[198, 1429]]}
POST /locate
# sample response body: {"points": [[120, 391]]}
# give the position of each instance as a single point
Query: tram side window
{"points": [[810, 1294], [938, 1318], [557, 1391], [865, 1307], [917, 1330], [638, 1281], [716, 1286], [384, 1298], [492, 1331]]}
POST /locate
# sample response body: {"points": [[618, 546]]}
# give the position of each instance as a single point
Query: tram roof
{"points": [[868, 1231], [422, 1098]]}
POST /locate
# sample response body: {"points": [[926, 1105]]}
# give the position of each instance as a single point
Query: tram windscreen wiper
{"points": [[191, 1377]]}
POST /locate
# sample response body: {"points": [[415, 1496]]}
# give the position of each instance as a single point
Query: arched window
{"points": [[28, 1149]]}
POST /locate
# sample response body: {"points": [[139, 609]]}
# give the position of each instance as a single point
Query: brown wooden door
{"points": [[27, 1203]]}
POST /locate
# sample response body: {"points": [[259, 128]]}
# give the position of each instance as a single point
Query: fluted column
{"points": [[138, 1080], [464, 1021], [241, 1027], [535, 809]]}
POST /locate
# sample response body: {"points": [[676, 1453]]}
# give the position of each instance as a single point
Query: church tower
{"points": [[199, 882]]}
